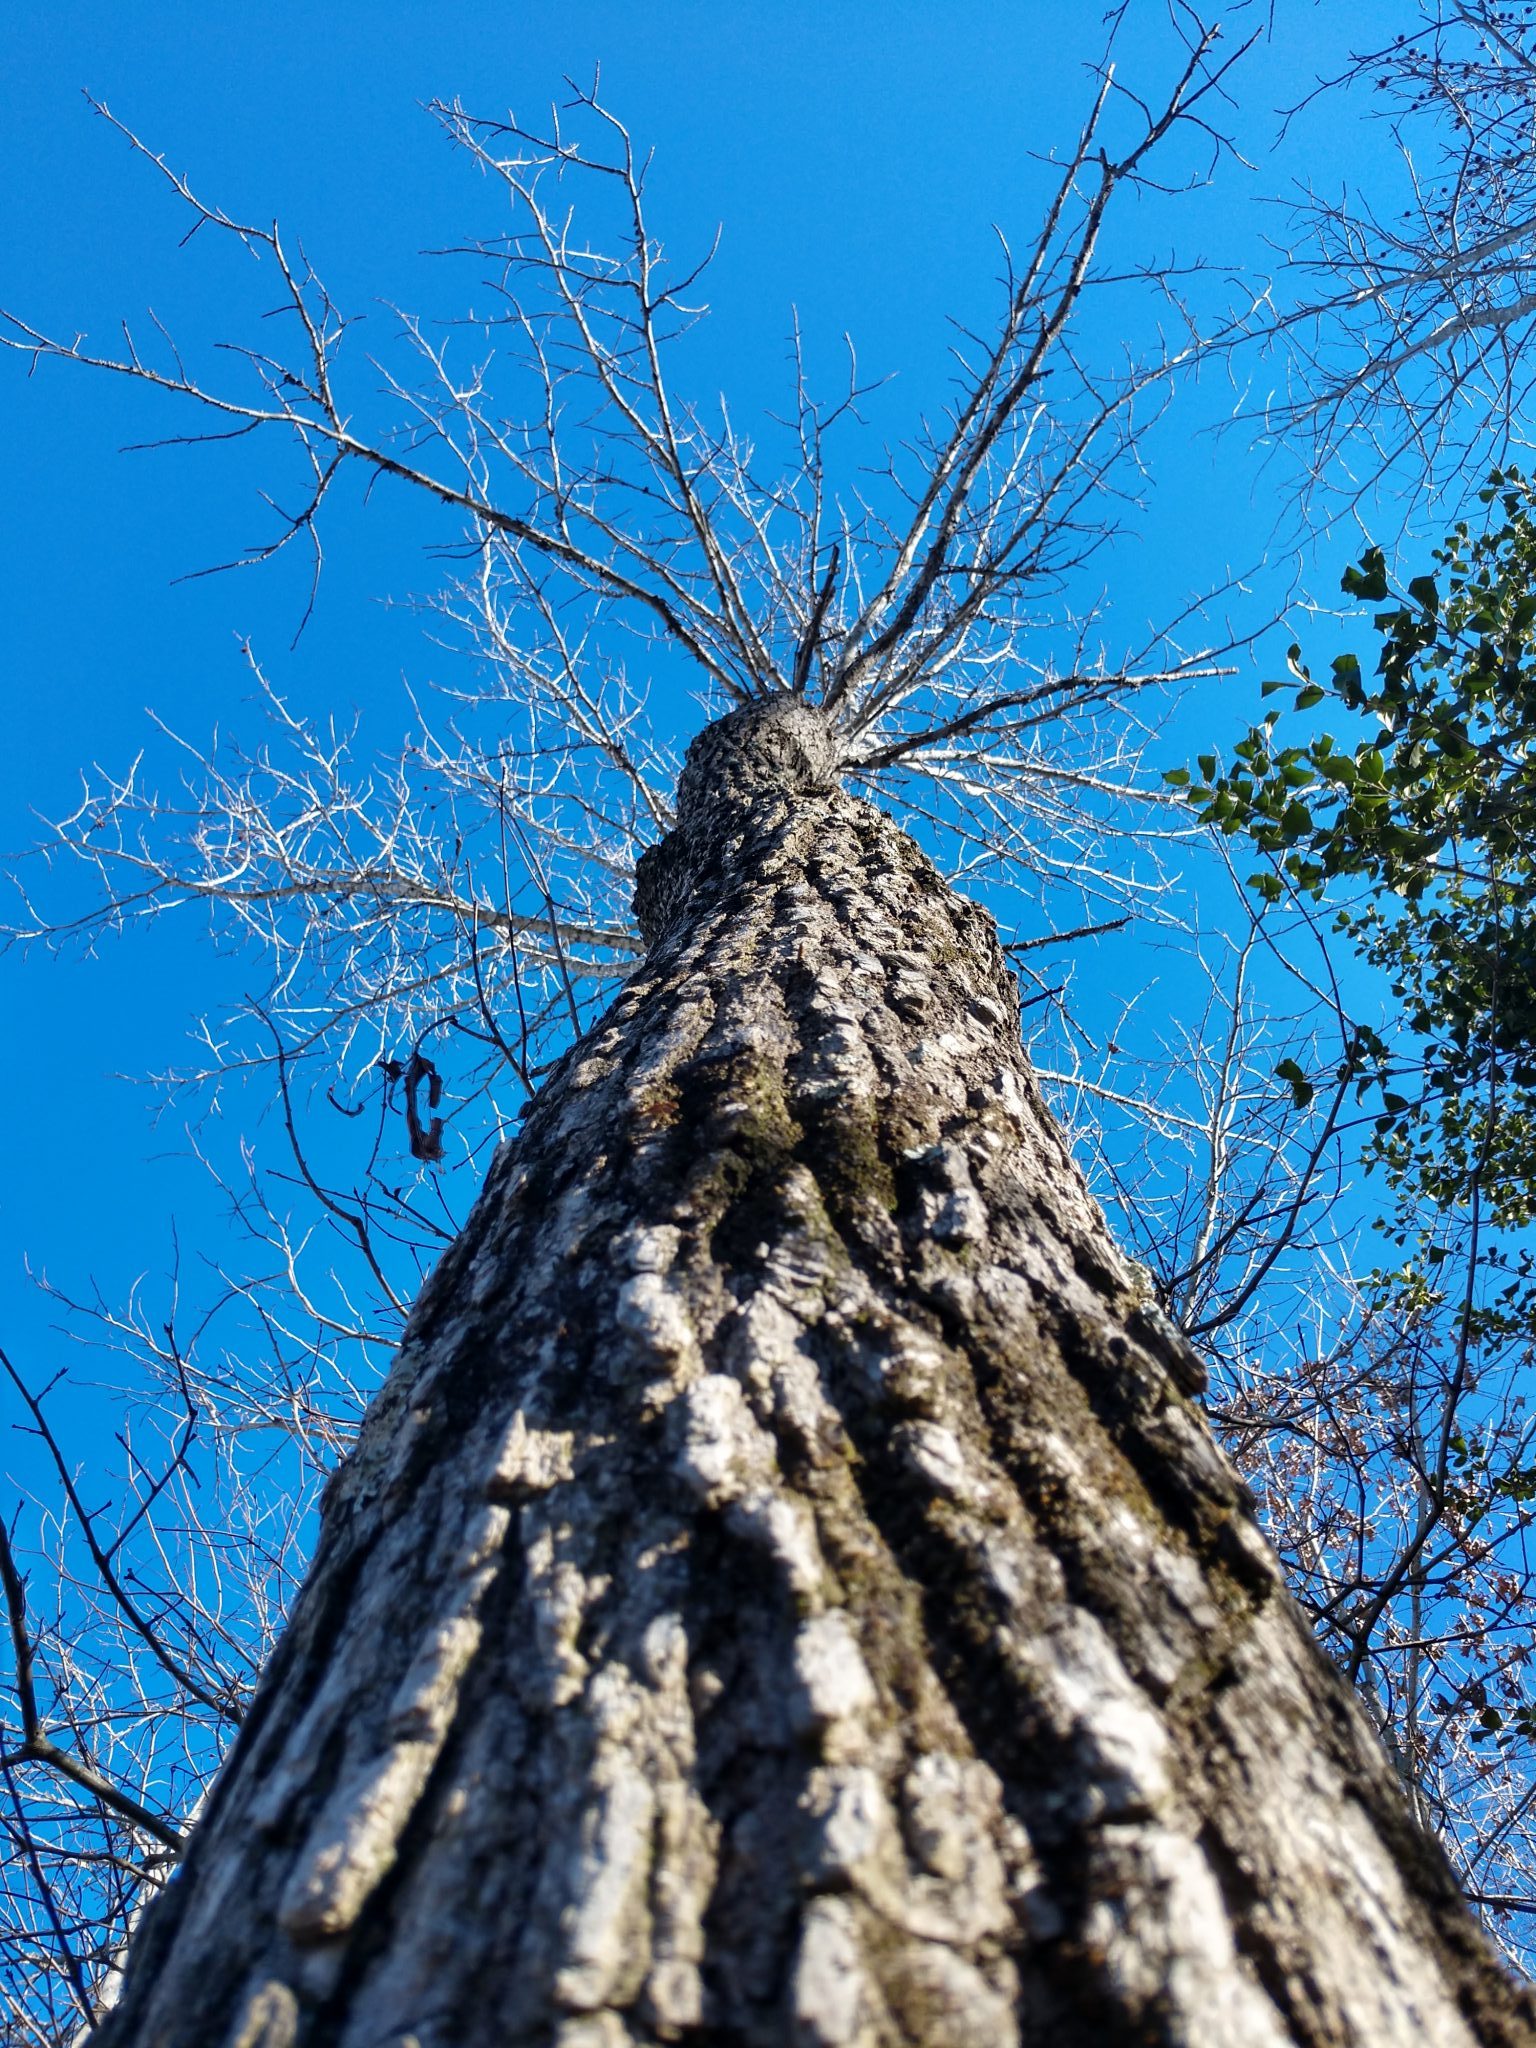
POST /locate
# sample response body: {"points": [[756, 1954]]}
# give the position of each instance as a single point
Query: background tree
{"points": [[1409, 310], [1412, 825]]}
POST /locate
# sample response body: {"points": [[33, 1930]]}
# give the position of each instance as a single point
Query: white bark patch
{"points": [[484, 1535], [1014, 1568], [268, 2019], [603, 1929], [959, 1893], [951, 1210], [911, 995], [852, 1823], [650, 1249], [940, 1794], [1177, 1571], [954, 1824], [838, 1064], [663, 1052], [1041, 1271], [724, 1452], [685, 1851], [786, 1529], [424, 1697], [1110, 1718], [960, 1218], [829, 1995], [653, 1314], [910, 1366], [937, 1455], [592, 2030], [1160, 1925], [559, 1592], [763, 1339], [799, 1405], [423, 1701], [353, 1842], [832, 1681], [938, 1059], [529, 1461], [632, 1882]]}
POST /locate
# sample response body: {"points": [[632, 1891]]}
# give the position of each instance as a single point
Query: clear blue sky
{"points": [[857, 155]]}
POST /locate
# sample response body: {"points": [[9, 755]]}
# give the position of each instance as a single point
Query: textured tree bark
{"points": [[785, 1591]]}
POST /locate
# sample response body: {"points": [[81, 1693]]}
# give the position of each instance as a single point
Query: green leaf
{"points": [[1302, 1090], [1369, 581], [1297, 819], [1176, 778], [1312, 694], [1346, 677]]}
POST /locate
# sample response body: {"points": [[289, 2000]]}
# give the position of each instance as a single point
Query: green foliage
{"points": [[1419, 824], [1405, 801]]}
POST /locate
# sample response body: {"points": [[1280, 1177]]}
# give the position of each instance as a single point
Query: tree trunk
{"points": [[785, 1591]]}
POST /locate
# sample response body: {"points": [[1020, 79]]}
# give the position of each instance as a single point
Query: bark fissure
{"points": [[785, 1591]]}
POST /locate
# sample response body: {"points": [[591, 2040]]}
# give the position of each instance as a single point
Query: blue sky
{"points": [[857, 156]]}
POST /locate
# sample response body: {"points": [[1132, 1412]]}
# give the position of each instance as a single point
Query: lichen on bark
{"points": [[786, 1591]]}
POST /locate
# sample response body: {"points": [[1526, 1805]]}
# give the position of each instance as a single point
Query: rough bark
{"points": [[786, 1590]]}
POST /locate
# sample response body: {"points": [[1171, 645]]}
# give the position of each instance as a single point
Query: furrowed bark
{"points": [[785, 1591]]}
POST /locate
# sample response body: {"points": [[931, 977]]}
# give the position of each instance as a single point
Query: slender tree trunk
{"points": [[785, 1591]]}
